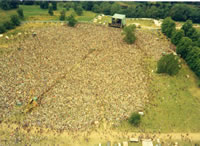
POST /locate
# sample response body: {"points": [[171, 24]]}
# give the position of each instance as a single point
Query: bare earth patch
{"points": [[94, 76]]}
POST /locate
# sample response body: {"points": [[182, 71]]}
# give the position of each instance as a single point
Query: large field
{"points": [[87, 79]]}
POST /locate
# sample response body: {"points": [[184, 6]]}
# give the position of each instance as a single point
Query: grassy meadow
{"points": [[174, 105], [34, 12]]}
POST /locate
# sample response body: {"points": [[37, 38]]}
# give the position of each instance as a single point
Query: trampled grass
{"points": [[148, 23]]}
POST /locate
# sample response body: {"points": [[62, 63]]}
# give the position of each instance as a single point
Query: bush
{"points": [[54, 4], [184, 46], [128, 31], [62, 15], [135, 119], [2, 29], [8, 25], [72, 21], [168, 64], [50, 10], [177, 36], [168, 26], [20, 13], [15, 20]]}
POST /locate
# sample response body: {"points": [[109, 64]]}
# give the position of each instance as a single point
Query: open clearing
{"points": [[95, 81]]}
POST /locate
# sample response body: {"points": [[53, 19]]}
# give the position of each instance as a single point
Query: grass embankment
{"points": [[175, 103]]}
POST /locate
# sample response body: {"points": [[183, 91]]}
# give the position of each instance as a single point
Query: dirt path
{"points": [[99, 135]]}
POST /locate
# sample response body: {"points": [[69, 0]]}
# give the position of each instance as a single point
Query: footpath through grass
{"points": [[174, 105]]}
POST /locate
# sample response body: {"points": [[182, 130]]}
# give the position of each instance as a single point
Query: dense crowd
{"points": [[103, 78]]}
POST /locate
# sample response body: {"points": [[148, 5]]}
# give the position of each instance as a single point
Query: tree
{"points": [[50, 10], [195, 15], [96, 8], [184, 46], [135, 119], [186, 27], [190, 31], [128, 31], [54, 4], [105, 8], [115, 8], [140, 11], [168, 64], [87, 5], [9, 4], [197, 43], [72, 21], [8, 25], [193, 34], [168, 26], [79, 10], [2, 29], [15, 20], [153, 12], [68, 5], [28, 2], [20, 13], [44, 5], [130, 11], [62, 15], [193, 60], [176, 36], [180, 12], [4, 5]]}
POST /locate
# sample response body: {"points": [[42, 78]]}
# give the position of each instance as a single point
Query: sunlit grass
{"points": [[174, 104]]}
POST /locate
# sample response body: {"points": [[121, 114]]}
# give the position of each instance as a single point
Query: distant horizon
{"points": [[119, 0]]}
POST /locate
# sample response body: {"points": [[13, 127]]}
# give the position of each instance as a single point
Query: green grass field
{"points": [[33, 12], [5, 15], [174, 104]]}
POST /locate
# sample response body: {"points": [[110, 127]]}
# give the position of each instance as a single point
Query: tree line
{"points": [[178, 11], [187, 40], [157, 10]]}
